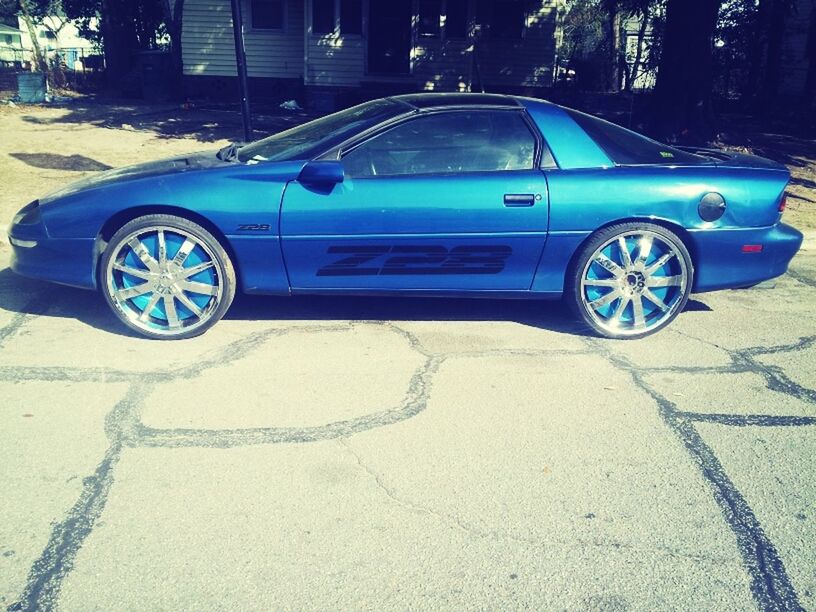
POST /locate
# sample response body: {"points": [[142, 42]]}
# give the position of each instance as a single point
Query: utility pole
{"points": [[240, 61]]}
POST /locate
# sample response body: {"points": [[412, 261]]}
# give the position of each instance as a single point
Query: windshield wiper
{"points": [[228, 153]]}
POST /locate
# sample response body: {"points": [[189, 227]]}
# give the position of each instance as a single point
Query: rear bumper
{"points": [[721, 263]]}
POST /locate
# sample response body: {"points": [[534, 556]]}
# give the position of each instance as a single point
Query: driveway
{"points": [[355, 453], [331, 453]]}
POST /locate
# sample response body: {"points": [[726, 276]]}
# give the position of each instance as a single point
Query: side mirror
{"points": [[322, 173]]}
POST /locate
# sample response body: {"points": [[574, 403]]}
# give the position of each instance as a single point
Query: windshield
{"points": [[625, 147], [311, 139]]}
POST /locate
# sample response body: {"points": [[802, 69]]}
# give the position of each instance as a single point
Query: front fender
{"points": [[241, 205]]}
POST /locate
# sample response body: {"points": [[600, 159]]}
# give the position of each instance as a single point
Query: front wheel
{"points": [[166, 277], [630, 280]]}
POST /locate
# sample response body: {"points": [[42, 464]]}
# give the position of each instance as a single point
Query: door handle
{"points": [[519, 199]]}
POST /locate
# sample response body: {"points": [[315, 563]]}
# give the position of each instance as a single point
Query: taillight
{"points": [[783, 202]]}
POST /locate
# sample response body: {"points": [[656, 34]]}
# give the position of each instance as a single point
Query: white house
{"points": [[637, 40], [11, 46], [58, 36], [402, 44]]}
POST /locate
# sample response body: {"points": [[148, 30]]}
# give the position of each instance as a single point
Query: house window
{"points": [[351, 16], [322, 16], [7, 38], [509, 19], [266, 14], [429, 17], [456, 19]]}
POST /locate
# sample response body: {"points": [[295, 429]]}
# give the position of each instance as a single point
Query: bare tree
{"points": [[26, 13], [643, 11]]}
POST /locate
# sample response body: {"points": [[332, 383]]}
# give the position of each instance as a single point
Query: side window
{"points": [[447, 143]]}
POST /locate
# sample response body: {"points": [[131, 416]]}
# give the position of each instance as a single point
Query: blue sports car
{"points": [[423, 194]]}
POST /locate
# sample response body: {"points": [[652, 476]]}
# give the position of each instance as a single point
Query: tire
{"points": [[630, 280], [166, 277]]}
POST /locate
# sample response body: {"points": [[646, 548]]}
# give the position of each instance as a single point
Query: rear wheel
{"points": [[630, 280], [167, 277]]}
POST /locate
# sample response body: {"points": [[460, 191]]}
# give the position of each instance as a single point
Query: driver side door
{"points": [[449, 201]]}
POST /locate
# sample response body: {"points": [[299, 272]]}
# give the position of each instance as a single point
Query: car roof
{"points": [[437, 100]]}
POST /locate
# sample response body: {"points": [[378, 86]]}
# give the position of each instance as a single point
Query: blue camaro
{"points": [[424, 194]]}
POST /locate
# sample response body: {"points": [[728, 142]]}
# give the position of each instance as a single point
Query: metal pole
{"points": [[240, 60]]}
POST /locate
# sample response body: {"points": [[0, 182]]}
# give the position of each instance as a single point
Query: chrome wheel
{"points": [[634, 283], [164, 281]]}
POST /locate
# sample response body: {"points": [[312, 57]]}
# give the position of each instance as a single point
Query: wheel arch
{"points": [[119, 219], [681, 232]]}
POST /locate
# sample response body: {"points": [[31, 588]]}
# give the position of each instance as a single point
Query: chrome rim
{"points": [[634, 282], [164, 280]]}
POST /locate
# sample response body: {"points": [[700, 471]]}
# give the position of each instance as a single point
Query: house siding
{"points": [[527, 62], [443, 65], [339, 61], [208, 47], [335, 60]]}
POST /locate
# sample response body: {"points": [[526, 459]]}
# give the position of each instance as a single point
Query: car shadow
{"points": [[21, 295], [54, 161]]}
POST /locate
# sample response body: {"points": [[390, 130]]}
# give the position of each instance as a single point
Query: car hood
{"points": [[171, 165]]}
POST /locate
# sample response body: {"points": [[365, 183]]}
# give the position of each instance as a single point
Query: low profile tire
{"points": [[630, 280], [166, 277]]}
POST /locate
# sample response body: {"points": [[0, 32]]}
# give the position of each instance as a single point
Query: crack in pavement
{"points": [[743, 360], [31, 310], [770, 584], [747, 420], [57, 559], [124, 429], [460, 525], [405, 503], [414, 402], [805, 280]]}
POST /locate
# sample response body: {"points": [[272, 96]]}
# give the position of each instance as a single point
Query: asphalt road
{"points": [[381, 453]]}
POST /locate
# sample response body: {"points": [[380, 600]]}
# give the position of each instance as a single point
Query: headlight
{"points": [[28, 214]]}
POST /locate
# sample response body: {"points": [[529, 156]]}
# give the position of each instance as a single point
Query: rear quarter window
{"points": [[625, 147]]}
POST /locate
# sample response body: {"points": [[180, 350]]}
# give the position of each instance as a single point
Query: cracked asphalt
{"points": [[329, 453]]}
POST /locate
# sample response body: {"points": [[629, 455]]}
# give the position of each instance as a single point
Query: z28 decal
{"points": [[411, 259]]}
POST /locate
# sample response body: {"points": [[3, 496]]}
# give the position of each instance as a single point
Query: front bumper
{"points": [[721, 263], [36, 255]]}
